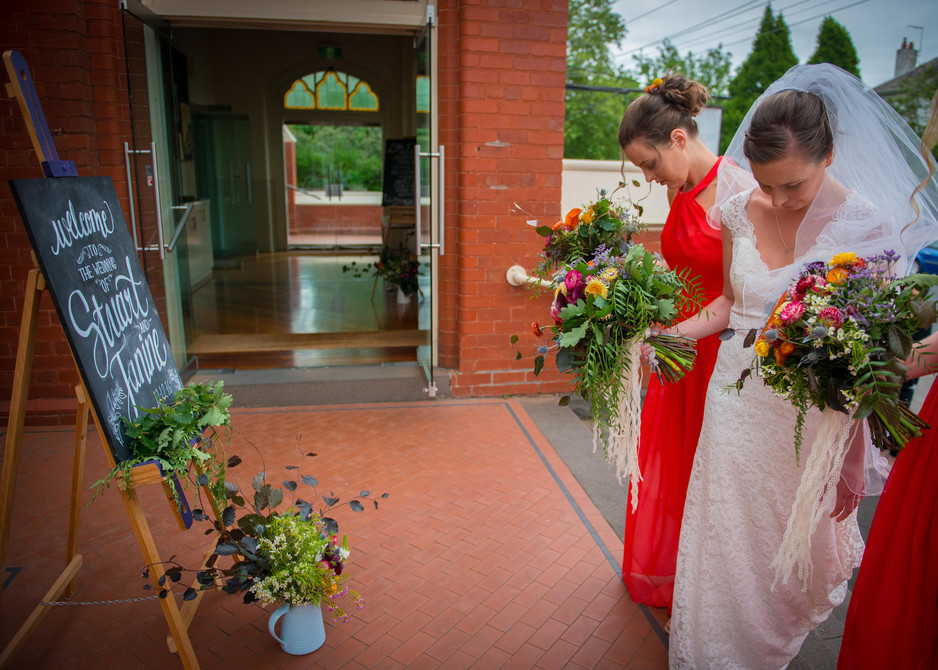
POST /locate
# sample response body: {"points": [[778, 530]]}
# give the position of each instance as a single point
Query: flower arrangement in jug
{"points": [[292, 555]]}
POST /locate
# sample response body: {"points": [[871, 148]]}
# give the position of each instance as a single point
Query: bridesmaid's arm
{"points": [[924, 358], [715, 315]]}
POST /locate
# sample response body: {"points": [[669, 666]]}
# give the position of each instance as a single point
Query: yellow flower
{"points": [[846, 260], [837, 276], [609, 274], [560, 289], [596, 287], [587, 218], [762, 348]]}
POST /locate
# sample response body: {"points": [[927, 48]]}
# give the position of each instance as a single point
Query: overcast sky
{"points": [[876, 27]]}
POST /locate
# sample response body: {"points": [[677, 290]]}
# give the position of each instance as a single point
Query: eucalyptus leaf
{"points": [[226, 549], [727, 334]]}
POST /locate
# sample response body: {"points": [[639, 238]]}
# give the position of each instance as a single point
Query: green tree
{"points": [[351, 154], [913, 97], [712, 69], [770, 58], [835, 46], [592, 117]]}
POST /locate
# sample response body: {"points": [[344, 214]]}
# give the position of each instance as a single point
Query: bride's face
{"points": [[792, 181], [664, 164]]}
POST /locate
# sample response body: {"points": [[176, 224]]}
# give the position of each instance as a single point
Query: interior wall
{"points": [[248, 71]]}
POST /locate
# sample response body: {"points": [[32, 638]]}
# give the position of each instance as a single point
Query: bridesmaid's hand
{"points": [[847, 501], [648, 351]]}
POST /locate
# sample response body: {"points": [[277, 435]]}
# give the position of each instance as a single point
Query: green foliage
{"points": [[770, 58], [912, 100], [592, 117], [712, 69], [593, 26], [292, 555], [399, 267], [355, 150], [174, 434], [835, 46]]}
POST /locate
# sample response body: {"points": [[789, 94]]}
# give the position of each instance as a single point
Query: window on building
{"points": [[331, 90]]}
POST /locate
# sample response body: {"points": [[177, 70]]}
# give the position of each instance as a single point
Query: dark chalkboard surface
{"points": [[398, 176], [91, 268]]}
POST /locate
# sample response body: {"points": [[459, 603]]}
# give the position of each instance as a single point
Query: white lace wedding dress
{"points": [[741, 489]]}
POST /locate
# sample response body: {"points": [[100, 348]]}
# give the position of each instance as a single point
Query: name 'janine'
{"points": [[74, 228]]}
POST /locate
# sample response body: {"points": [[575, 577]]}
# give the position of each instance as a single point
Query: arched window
{"points": [[331, 90]]}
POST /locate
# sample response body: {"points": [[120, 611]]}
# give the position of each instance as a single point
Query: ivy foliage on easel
{"points": [[181, 430]]}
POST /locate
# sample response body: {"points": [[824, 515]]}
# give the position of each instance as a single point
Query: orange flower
{"points": [[837, 276], [536, 329], [557, 226], [787, 348], [780, 358], [572, 219]]}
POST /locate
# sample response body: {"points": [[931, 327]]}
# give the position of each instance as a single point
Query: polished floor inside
{"points": [[305, 309]]}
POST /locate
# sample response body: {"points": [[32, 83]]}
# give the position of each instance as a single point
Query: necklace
{"points": [[779, 227]]}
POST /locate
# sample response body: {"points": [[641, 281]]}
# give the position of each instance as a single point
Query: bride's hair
{"points": [[652, 116], [789, 118]]}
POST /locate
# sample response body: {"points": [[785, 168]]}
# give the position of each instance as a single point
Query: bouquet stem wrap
{"points": [[818, 486], [622, 446]]}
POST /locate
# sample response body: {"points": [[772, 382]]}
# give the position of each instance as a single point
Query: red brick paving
{"points": [[478, 559]]}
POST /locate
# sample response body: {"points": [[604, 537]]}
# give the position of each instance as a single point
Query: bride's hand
{"points": [[847, 501]]}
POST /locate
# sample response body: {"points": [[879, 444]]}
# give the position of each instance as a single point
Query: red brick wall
{"points": [[358, 219], [74, 49], [501, 79]]}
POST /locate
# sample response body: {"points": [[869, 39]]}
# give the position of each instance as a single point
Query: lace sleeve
{"points": [[733, 214]]}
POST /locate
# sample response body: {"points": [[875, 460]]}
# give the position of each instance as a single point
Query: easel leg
{"points": [[177, 627], [11, 453], [67, 577], [78, 473]]}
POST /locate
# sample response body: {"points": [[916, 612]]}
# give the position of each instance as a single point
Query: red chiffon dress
{"points": [[892, 621], [672, 415]]}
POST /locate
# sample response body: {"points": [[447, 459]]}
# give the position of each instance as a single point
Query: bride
{"points": [[832, 167]]}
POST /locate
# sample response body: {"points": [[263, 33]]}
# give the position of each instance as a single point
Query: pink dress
{"points": [[671, 416]]}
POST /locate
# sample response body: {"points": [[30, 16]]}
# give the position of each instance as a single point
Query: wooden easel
{"points": [[177, 618]]}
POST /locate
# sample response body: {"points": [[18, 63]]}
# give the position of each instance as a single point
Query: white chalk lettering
{"points": [[73, 227]]}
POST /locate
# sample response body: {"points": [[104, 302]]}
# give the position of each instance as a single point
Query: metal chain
{"points": [[96, 602]]}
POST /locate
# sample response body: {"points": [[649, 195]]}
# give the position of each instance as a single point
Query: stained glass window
{"points": [[331, 90]]}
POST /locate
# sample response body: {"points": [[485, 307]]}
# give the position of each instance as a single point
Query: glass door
{"points": [[428, 187], [160, 191]]}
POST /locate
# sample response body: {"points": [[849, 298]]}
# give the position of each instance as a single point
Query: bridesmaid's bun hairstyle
{"points": [[671, 104], [786, 120]]}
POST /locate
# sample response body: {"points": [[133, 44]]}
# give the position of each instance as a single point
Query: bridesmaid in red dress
{"points": [[658, 134], [892, 621]]}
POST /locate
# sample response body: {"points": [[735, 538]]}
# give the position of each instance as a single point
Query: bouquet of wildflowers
{"points": [[837, 339], [609, 292], [302, 563]]}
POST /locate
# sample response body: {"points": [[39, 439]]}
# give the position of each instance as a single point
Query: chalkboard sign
{"points": [[91, 268], [398, 176]]}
